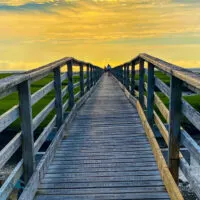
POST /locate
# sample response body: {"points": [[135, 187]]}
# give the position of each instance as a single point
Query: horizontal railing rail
{"points": [[54, 95], [155, 93]]}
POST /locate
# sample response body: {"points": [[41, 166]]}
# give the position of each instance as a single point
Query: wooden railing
{"points": [[62, 88], [157, 113]]}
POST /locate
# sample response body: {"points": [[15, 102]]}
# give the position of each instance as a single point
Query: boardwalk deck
{"points": [[105, 153]]}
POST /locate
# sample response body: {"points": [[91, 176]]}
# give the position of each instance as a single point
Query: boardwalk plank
{"points": [[105, 153]]}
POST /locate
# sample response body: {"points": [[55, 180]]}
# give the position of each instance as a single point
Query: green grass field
{"points": [[12, 100]]}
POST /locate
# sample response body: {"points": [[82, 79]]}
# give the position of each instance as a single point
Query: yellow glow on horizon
{"points": [[101, 32]]}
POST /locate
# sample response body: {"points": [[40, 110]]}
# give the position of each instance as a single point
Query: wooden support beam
{"points": [[58, 97], [88, 77], [27, 129], [81, 79], [127, 77], [133, 78], [174, 126], [141, 83], [70, 84], [91, 76], [150, 94], [124, 75]]}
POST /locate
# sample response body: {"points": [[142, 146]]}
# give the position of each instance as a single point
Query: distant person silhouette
{"points": [[108, 69]]}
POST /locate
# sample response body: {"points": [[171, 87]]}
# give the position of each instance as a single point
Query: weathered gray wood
{"points": [[11, 181], [70, 84], [33, 183], [191, 145], [58, 97], [63, 76], [77, 95], [162, 86], [193, 180], [133, 78], [174, 126], [65, 105], [124, 75], [64, 91], [10, 149], [127, 77], [141, 83], [7, 92], [42, 92], [43, 114], [181, 73], [45, 133], [81, 80], [105, 146], [192, 115], [27, 129], [91, 75], [77, 84], [9, 117], [88, 77], [122, 196], [150, 94]]}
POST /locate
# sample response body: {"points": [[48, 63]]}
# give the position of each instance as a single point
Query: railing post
{"points": [[124, 77], [150, 94], [81, 79], [141, 83], [133, 78], [91, 76], [127, 77], [121, 75], [88, 77], [70, 84], [95, 75], [174, 126], [58, 96], [27, 129]]}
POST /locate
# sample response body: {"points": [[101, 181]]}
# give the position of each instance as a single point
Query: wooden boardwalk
{"points": [[105, 153]]}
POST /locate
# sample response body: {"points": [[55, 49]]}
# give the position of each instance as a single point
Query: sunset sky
{"points": [[99, 31]]}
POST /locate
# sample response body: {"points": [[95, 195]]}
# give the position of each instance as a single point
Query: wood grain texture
{"points": [[27, 129], [31, 187], [105, 153], [167, 178]]}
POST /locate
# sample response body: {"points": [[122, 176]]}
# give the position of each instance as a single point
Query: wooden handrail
{"points": [[185, 75], [25, 139], [176, 135], [12, 81]]}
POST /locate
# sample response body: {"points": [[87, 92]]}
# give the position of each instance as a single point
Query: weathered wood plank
{"points": [[33, 183], [133, 78], [42, 92], [174, 126], [70, 84], [43, 136], [64, 76], [11, 181], [43, 114], [66, 105], [150, 94], [105, 196], [27, 129], [81, 80], [10, 149], [64, 91], [77, 84], [58, 97], [9, 117], [141, 83]]}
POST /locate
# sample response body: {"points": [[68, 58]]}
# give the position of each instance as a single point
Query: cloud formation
{"points": [[98, 30]]}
